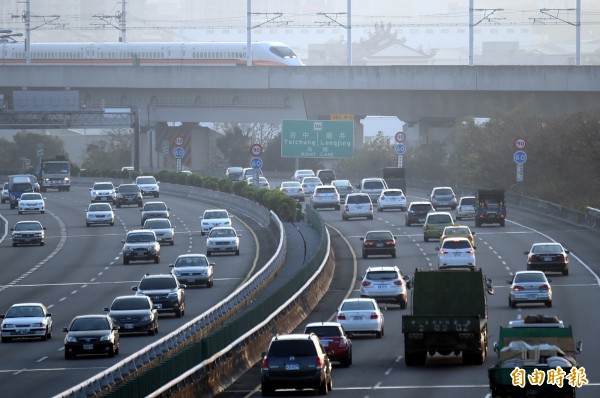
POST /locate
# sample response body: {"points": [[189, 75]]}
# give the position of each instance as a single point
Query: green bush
{"points": [[211, 183], [225, 185], [238, 187]]}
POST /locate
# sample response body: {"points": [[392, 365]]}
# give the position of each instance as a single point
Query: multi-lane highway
{"points": [[378, 368], [79, 270]]}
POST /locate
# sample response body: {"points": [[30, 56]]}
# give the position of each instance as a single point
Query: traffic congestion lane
{"points": [[378, 366], [88, 273]]}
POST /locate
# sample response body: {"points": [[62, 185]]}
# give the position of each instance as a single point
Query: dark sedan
{"points": [[378, 243], [548, 257], [417, 212], [134, 314], [91, 334]]}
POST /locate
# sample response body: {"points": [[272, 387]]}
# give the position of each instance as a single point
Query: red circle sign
{"points": [[256, 149], [520, 143], [400, 136]]}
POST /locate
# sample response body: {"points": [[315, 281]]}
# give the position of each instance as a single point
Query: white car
{"points": [[162, 227], [456, 252], [300, 174], [32, 203], [263, 183], [103, 192], [214, 218], [223, 240], [148, 185], [99, 213], [465, 208], [372, 187], [325, 196], [193, 269], [5, 192], [26, 320], [310, 183], [361, 315], [357, 205], [392, 199], [28, 233]]}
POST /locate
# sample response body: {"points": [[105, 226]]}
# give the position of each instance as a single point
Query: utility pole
{"points": [[487, 13], [333, 18], [26, 17], [121, 24], [577, 24]]}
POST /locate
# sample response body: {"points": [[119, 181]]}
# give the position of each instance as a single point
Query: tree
{"points": [[111, 152]]}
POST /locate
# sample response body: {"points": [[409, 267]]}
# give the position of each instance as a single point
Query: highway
{"points": [[378, 368], [79, 270]]}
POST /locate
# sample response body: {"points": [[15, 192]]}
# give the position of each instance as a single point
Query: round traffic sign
{"points": [[400, 136], [520, 143], [179, 141], [256, 163], [400, 149], [520, 157], [256, 149], [178, 152]]}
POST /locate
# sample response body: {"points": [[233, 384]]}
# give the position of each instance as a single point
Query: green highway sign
{"points": [[317, 139]]}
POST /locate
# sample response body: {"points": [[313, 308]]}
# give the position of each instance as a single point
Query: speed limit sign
{"points": [[256, 149], [520, 143]]}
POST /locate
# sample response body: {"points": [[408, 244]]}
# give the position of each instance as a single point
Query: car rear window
{"points": [[530, 277], [444, 191], [467, 201], [325, 190], [547, 249], [379, 235], [373, 185], [358, 199], [393, 193], [287, 348], [358, 305], [456, 244], [421, 207], [439, 219], [324, 331], [382, 275], [129, 188]]}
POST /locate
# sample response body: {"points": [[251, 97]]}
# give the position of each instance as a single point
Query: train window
{"points": [[282, 51]]}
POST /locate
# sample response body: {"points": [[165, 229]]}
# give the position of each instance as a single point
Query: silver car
{"points": [[529, 287], [223, 240], [148, 186], [385, 284], [103, 192], [372, 187], [325, 196], [162, 227], [293, 189], [357, 205], [193, 269], [443, 197], [344, 187], [99, 213], [465, 208], [310, 183], [5, 192]]}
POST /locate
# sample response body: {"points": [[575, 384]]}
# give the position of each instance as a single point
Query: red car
{"points": [[334, 338]]}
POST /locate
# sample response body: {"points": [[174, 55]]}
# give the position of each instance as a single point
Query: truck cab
{"points": [[490, 207], [18, 185]]}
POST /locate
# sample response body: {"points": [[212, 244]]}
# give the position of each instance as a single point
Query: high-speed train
{"points": [[264, 53]]}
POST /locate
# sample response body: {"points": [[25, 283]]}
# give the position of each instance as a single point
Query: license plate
{"points": [[88, 346], [421, 220], [189, 280], [380, 245], [159, 306], [129, 326], [457, 254], [325, 343], [357, 318], [292, 366], [381, 287], [23, 331], [547, 258], [532, 296]]}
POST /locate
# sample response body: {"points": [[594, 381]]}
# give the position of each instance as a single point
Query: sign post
{"points": [[178, 154], [400, 147], [520, 158]]}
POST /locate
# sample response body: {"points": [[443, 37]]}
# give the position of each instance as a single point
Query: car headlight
{"points": [[37, 325], [172, 295], [70, 339], [106, 337], [67, 179], [147, 318], [8, 326]]}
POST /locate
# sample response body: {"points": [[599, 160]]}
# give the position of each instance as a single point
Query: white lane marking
{"points": [[41, 359]]}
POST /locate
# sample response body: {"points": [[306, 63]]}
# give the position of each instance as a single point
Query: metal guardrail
{"points": [[204, 323]]}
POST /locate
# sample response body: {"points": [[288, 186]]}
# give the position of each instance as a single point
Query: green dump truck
{"points": [[530, 352], [448, 316]]}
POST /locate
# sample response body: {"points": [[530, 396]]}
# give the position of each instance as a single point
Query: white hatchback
{"points": [[32, 203], [456, 252], [361, 315], [392, 199]]}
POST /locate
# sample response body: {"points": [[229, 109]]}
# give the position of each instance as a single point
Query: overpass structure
{"points": [[425, 97]]}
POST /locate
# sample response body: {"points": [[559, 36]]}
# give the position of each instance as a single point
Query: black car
{"points": [[548, 257], [141, 244], [91, 334], [326, 176], [154, 210], [296, 361], [134, 314], [417, 212], [165, 291], [129, 194], [378, 243]]}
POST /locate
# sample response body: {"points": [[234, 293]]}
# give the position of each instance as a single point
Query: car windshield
{"points": [[129, 188], [324, 331], [22, 187], [382, 275], [288, 348], [549, 249], [99, 207], [155, 206], [365, 305], [137, 238], [130, 303], [146, 180], [103, 187], [31, 196], [157, 283], [222, 233], [209, 215], [80, 324], [29, 226], [377, 235], [530, 277], [191, 262], [24, 312], [162, 223]]}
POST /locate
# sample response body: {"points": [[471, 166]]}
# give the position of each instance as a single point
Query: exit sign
{"points": [[317, 139]]}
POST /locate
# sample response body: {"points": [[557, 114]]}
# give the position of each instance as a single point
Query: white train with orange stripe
{"points": [[264, 53]]}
